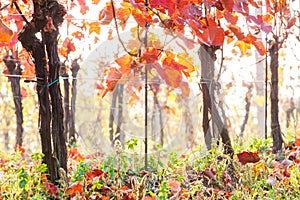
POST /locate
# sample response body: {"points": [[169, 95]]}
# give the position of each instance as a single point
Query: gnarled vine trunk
{"points": [[275, 126], [46, 18], [64, 74], [13, 67], [75, 68], [207, 57]]}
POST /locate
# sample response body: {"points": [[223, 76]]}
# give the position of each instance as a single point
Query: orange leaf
{"points": [[125, 63], [297, 142], [185, 89], [23, 93], [169, 62], [124, 12], [184, 193], [248, 157], [106, 15], [95, 1], [78, 35], [173, 77], [141, 17], [110, 37], [105, 198], [260, 47], [74, 189], [74, 153], [291, 22], [236, 31], [94, 27], [174, 185], [5, 33]]}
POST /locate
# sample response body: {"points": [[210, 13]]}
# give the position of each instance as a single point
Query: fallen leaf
{"points": [[74, 189], [248, 157]]}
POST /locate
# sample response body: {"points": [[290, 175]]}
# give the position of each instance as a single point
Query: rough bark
{"points": [[112, 114], [64, 74], [189, 127], [33, 45], [275, 126], [206, 83], [247, 108], [13, 67], [161, 128], [6, 134], [118, 133], [207, 57], [50, 38], [43, 13], [75, 68]]}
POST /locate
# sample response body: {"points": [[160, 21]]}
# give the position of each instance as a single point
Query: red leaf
{"points": [[20, 149], [50, 187], [49, 27], [231, 17], [163, 6], [112, 80], [248, 157], [228, 4], [215, 34], [74, 189], [67, 47], [95, 173], [151, 55]]}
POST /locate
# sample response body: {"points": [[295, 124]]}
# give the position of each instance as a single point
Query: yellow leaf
{"points": [[243, 46], [260, 100], [187, 61]]}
